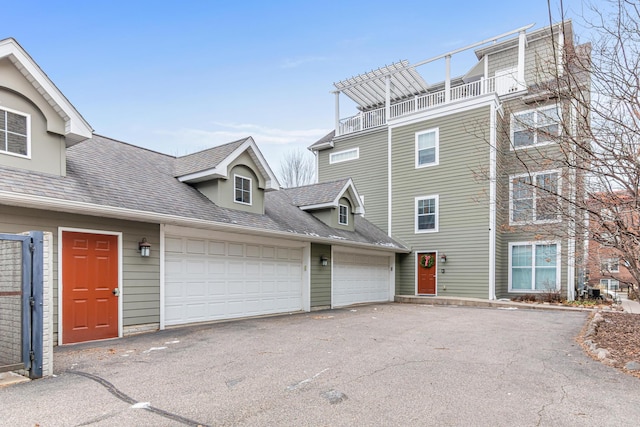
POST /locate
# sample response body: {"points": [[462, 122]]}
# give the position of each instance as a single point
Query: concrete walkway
{"points": [[629, 306], [479, 302]]}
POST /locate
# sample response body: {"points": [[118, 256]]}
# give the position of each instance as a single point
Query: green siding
{"points": [[510, 162], [320, 276], [47, 148], [369, 171], [141, 276], [463, 232], [539, 65]]}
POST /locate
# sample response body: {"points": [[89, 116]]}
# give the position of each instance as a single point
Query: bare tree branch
{"points": [[297, 168]]}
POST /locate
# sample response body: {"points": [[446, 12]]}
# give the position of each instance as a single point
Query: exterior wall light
{"points": [[144, 247], [443, 258], [324, 260]]}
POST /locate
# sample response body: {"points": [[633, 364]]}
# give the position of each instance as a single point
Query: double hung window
{"points": [[535, 197], [427, 148], [426, 212], [14, 132], [535, 127], [242, 189]]}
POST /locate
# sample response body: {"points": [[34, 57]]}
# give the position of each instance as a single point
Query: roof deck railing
{"points": [[375, 118]]}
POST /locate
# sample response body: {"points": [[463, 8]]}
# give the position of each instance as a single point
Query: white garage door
{"points": [[209, 280], [360, 278]]}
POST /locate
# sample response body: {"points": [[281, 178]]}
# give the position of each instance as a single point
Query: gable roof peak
{"points": [[76, 127], [325, 195], [213, 163]]}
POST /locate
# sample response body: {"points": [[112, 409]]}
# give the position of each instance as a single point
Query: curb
{"points": [[477, 302]]}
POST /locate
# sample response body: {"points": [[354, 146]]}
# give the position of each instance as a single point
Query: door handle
{"points": [[116, 292]]}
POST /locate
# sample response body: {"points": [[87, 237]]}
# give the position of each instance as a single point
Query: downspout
{"points": [[162, 274], [389, 181], [571, 238], [493, 157]]}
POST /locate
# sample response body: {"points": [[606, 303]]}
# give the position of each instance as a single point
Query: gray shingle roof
{"points": [[205, 159], [105, 172], [316, 194], [324, 140]]}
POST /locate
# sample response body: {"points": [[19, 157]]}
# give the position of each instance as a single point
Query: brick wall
{"points": [[10, 302]]}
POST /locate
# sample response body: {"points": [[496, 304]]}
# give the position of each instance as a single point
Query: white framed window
{"points": [[343, 215], [534, 266], [427, 148], [610, 265], [610, 284], [344, 155], [534, 197], [534, 127], [15, 130], [242, 189], [426, 214]]}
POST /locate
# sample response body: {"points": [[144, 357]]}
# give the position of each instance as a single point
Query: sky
{"points": [[183, 76]]}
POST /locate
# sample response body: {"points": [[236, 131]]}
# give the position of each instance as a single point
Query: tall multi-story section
{"points": [[454, 170]]}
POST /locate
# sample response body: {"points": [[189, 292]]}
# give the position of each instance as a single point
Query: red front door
{"points": [[89, 278], [426, 274]]}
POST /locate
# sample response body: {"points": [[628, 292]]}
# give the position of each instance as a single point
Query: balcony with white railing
{"points": [[375, 118], [374, 90]]}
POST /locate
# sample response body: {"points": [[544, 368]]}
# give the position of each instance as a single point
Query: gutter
{"points": [[83, 208]]}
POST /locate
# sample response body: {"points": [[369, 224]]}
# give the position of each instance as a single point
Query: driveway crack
{"points": [[131, 401]]}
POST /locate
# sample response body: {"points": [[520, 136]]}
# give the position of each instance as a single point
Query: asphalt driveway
{"points": [[384, 364]]}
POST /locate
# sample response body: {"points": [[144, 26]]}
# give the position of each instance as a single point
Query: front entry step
{"points": [[11, 378]]}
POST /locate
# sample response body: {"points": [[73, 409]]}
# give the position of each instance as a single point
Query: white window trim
{"points": [[250, 189], [340, 206], [357, 155], [533, 255], [608, 283], [533, 176], [535, 135], [28, 117], [415, 214], [417, 157]]}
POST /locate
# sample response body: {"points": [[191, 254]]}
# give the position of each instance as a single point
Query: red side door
{"points": [[426, 275], [89, 278]]}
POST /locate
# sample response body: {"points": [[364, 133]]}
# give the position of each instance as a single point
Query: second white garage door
{"points": [[208, 279], [359, 278]]}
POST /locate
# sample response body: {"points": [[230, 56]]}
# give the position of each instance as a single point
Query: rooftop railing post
{"points": [[337, 110], [522, 39], [486, 89], [387, 98], [447, 81]]}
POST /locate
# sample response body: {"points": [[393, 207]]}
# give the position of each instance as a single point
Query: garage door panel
{"points": [[196, 267], [360, 279], [253, 251], [195, 246], [216, 267], [217, 289], [197, 289], [229, 280], [235, 249]]}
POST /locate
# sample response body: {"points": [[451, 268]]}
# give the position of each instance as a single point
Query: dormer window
{"points": [[343, 215], [14, 132], [242, 189]]}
